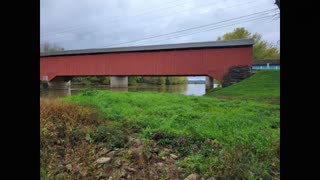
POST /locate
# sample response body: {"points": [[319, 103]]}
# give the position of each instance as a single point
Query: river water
{"points": [[187, 89]]}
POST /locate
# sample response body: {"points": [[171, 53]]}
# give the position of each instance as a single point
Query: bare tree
{"points": [[50, 47], [277, 2]]}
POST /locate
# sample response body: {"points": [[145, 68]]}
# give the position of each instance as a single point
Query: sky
{"points": [[86, 24]]}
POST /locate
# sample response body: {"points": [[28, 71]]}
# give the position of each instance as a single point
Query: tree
{"points": [[49, 47], [277, 2], [261, 49]]}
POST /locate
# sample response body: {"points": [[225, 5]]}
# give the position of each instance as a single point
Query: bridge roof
{"points": [[195, 45]]}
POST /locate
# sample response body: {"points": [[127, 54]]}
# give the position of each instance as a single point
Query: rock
{"points": [[160, 164], [163, 158], [69, 167], [137, 142], [211, 178], [123, 173], [166, 150], [130, 139], [103, 151], [173, 156], [83, 172], [192, 177], [76, 167], [110, 178], [136, 152], [236, 74], [117, 163], [155, 150], [111, 153], [179, 169], [103, 160], [131, 169]]}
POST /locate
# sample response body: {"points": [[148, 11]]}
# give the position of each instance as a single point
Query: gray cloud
{"points": [[82, 24]]}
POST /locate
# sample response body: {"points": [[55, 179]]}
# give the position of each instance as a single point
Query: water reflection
{"points": [[187, 89], [195, 89], [55, 93], [160, 88]]}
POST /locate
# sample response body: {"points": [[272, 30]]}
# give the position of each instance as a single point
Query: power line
{"points": [[211, 28], [197, 27], [226, 25], [84, 24], [116, 18], [206, 5]]}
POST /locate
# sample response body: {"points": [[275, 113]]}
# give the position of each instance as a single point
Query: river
{"points": [[187, 89]]}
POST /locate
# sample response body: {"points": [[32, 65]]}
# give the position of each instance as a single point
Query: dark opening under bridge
{"points": [[212, 59]]}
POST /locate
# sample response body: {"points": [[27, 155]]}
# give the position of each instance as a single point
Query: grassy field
{"points": [[237, 137], [263, 86]]}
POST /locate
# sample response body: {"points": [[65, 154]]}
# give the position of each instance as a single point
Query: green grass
{"points": [[214, 137], [230, 133], [263, 86]]}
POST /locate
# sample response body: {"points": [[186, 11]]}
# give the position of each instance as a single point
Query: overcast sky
{"points": [[85, 24]]}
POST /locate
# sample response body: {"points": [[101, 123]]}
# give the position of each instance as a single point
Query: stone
{"points": [[130, 140], [155, 150], [166, 150], [117, 163], [103, 160], [160, 164], [173, 156], [123, 173], [211, 178], [131, 169], [69, 167], [137, 142], [236, 74], [103, 151], [192, 177], [83, 172], [111, 153]]}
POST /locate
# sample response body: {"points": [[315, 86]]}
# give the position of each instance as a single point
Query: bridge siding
{"points": [[212, 62]]}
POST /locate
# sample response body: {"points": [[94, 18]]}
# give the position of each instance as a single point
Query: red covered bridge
{"points": [[211, 59]]}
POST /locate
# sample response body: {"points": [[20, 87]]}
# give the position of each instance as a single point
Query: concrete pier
{"points": [[119, 81], [209, 83], [57, 83]]}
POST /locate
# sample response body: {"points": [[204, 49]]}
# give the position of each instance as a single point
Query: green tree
{"points": [[176, 80], [166, 80], [261, 49], [132, 80], [106, 80]]}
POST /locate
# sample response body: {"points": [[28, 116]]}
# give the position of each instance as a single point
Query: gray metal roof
{"points": [[195, 45]]}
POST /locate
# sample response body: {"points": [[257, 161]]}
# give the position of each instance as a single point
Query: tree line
{"points": [[132, 80]]}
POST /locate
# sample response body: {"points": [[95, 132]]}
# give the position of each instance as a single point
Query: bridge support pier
{"points": [[57, 83], [119, 81], [209, 83]]}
